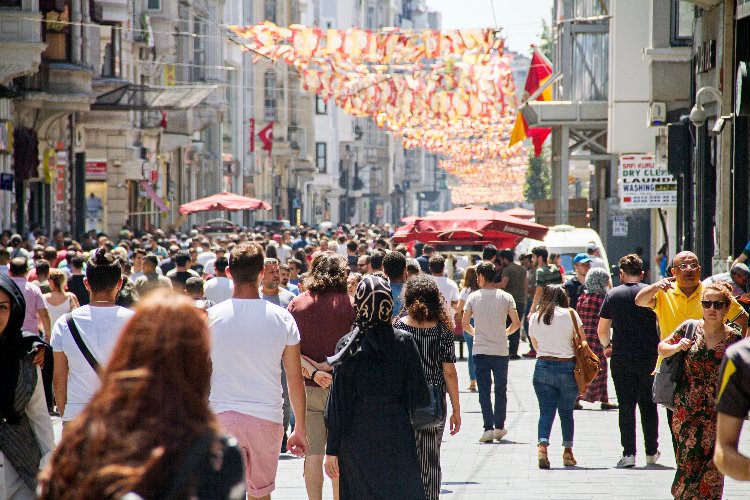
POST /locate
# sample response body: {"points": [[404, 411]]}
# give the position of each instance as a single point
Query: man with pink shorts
{"points": [[251, 338]]}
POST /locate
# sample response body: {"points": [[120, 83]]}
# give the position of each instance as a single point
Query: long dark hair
{"points": [[552, 296], [470, 279], [424, 302], [152, 405]]}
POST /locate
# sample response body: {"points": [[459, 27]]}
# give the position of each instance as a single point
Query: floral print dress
{"points": [[694, 421]]}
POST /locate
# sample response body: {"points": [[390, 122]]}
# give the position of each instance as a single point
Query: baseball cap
{"points": [[591, 247], [581, 258]]}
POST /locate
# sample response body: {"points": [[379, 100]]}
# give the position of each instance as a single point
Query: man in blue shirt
{"points": [[394, 266]]}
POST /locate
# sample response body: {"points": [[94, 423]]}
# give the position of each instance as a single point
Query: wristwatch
{"points": [[312, 375]]}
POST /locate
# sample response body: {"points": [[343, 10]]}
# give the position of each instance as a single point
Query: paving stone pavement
{"points": [[508, 470]]}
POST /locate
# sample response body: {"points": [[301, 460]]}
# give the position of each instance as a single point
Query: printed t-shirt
{"points": [[248, 338], [99, 328], [734, 381]]}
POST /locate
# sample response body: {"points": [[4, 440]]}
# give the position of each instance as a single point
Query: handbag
{"points": [[587, 363], [670, 372], [432, 415]]}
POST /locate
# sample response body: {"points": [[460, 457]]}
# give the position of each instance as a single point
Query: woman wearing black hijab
{"points": [[377, 379], [26, 435]]}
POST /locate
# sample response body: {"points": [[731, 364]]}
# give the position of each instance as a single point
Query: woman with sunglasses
{"points": [[694, 421]]}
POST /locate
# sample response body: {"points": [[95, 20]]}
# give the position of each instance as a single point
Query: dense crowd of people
{"points": [[181, 365]]}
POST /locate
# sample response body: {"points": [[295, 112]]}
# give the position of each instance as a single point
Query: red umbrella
{"points": [[519, 212], [223, 201], [471, 223]]}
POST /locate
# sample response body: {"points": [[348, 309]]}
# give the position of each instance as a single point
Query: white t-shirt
{"points": [[555, 339], [99, 328], [248, 339], [448, 289], [218, 289], [204, 257], [284, 253]]}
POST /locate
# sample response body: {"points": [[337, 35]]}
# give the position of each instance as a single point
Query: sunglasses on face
{"points": [[716, 304], [688, 266]]}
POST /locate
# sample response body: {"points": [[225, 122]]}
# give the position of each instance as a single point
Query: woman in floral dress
{"points": [[588, 307], [694, 421]]}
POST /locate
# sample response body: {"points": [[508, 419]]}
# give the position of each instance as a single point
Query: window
{"points": [[321, 156], [269, 95], [153, 4], [110, 38], [199, 50], [269, 11], [683, 14], [320, 105], [56, 30]]}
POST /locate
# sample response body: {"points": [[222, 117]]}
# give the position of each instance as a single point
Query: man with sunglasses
{"points": [[678, 298]]}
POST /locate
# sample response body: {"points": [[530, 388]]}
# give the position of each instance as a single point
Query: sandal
{"points": [[542, 456], [568, 459], [473, 386]]}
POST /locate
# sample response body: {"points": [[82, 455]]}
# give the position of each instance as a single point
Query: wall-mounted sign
{"points": [[643, 184], [96, 170]]}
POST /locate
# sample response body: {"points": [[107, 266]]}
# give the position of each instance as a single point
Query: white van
{"points": [[566, 241]]}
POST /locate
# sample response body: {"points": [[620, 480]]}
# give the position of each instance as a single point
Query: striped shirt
{"points": [[436, 346]]}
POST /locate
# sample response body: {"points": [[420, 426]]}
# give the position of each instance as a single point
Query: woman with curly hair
{"points": [[694, 421], [324, 313], [149, 431], [429, 324], [589, 305]]}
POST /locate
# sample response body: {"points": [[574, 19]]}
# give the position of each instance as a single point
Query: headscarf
{"points": [[597, 281], [372, 333], [13, 347]]}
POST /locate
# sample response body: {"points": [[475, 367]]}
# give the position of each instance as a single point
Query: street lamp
{"points": [[698, 115]]}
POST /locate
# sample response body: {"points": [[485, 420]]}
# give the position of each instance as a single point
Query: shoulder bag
{"points": [[81, 344], [670, 372], [432, 415], [587, 363]]}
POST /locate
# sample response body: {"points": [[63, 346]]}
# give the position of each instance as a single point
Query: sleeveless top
{"points": [[56, 311]]}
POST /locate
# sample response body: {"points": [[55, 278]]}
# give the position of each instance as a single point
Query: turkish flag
{"points": [[251, 136], [266, 137]]}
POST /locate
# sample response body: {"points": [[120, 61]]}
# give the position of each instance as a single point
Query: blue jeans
{"points": [[556, 390], [489, 367], [470, 347]]}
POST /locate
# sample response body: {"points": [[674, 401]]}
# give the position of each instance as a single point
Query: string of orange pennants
{"points": [[449, 92]]}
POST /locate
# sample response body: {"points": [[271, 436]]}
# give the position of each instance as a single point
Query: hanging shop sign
{"points": [[644, 184]]}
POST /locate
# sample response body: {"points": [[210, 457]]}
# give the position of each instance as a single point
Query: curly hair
{"points": [[151, 407], [424, 302], [721, 287], [329, 273]]}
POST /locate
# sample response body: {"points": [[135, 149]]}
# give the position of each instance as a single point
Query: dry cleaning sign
{"points": [[643, 184]]}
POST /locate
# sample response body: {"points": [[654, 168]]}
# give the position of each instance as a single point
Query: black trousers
{"points": [[515, 339], [633, 384], [47, 371]]}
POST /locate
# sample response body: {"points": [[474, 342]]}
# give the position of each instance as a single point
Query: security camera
{"points": [[698, 115]]}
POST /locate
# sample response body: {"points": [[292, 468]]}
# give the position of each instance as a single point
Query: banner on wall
{"points": [[96, 170]]}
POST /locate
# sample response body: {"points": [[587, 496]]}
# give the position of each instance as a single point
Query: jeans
{"points": [[556, 390], [525, 320], [633, 384], [470, 347], [489, 367], [515, 339]]}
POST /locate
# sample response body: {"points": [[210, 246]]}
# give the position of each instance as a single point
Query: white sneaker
{"points": [[651, 459], [487, 437], [500, 433], [626, 462]]}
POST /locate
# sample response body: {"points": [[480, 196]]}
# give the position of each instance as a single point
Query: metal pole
{"points": [[563, 189]]}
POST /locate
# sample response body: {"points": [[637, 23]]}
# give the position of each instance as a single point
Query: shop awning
{"points": [[155, 197], [133, 97]]}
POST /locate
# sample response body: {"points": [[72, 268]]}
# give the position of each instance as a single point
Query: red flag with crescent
{"points": [[266, 137]]}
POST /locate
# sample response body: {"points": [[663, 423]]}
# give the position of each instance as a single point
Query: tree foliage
{"points": [[538, 179], [547, 45]]}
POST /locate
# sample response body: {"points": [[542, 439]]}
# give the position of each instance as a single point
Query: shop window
{"points": [[321, 156], [683, 15]]}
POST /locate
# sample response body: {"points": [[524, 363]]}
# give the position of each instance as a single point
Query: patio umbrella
{"points": [[519, 212], [471, 223], [224, 201]]}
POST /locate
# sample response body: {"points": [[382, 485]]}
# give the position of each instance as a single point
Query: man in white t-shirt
{"points": [[447, 286], [490, 307], [251, 338], [220, 287], [99, 324]]}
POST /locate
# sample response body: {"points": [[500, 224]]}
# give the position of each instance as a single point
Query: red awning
{"points": [[475, 222], [224, 201]]}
